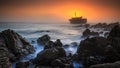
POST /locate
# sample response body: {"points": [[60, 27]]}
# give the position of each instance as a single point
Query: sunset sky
{"points": [[59, 10]]}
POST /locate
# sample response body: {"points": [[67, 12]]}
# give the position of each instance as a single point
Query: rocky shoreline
{"points": [[92, 52]]}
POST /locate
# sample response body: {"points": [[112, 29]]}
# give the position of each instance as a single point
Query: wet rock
{"points": [[114, 38], [43, 40], [62, 63], [100, 25], [16, 44], [87, 25], [107, 65], [46, 56], [22, 64], [4, 57], [5, 63], [101, 32], [66, 46], [106, 34], [58, 43], [107, 27], [91, 47], [88, 33], [32, 42], [111, 55], [74, 44], [51, 44]]}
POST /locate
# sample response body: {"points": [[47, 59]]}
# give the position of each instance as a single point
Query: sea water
{"points": [[67, 33]]}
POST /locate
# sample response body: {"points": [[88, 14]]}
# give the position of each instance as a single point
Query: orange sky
{"points": [[62, 10]]}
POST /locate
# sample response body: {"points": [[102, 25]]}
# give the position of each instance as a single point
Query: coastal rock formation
{"points": [[51, 44], [53, 55], [107, 65], [114, 38], [107, 27], [62, 63], [43, 40], [99, 50], [91, 51], [23, 64], [4, 57], [88, 33], [46, 56], [16, 45]]}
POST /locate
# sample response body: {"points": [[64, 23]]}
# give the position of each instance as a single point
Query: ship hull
{"points": [[78, 20]]}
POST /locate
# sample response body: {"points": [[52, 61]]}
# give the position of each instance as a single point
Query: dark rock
{"points": [[92, 47], [88, 33], [96, 47], [5, 63], [111, 55], [23, 64], [114, 38], [46, 56], [16, 45], [100, 25], [4, 57], [32, 42], [74, 44], [62, 63], [87, 25], [51, 44], [101, 32], [43, 40], [58, 43], [66, 46], [107, 27], [106, 34], [107, 65]]}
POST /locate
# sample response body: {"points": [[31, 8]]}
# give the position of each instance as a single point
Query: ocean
{"points": [[67, 33]]}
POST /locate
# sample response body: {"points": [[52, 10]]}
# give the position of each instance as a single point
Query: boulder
{"points": [[66, 45], [51, 44], [4, 57], [93, 45], [58, 43], [22, 64], [91, 51], [107, 65], [5, 63], [106, 34], [16, 45], [43, 40], [64, 62], [46, 56], [88, 33], [74, 44], [114, 38]]}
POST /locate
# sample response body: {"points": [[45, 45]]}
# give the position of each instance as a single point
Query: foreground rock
{"points": [[4, 57], [23, 64], [107, 65], [99, 50], [88, 33], [114, 38], [46, 56], [53, 55], [51, 44], [43, 40], [16, 45]]}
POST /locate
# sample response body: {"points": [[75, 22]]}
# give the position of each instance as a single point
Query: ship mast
{"points": [[75, 14]]}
